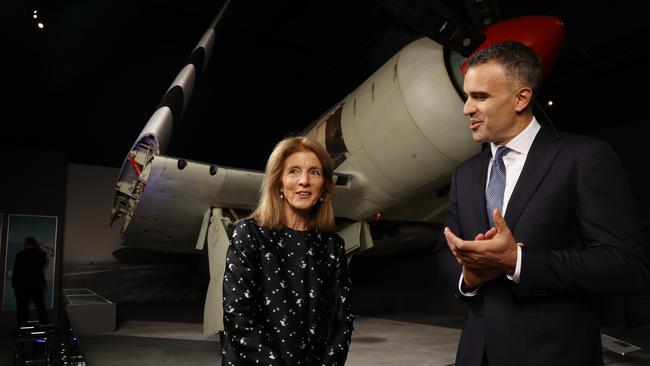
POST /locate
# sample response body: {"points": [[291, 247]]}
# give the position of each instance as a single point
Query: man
{"points": [[28, 281], [570, 228]]}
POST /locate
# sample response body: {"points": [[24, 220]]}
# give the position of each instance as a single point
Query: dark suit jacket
{"points": [[28, 270], [573, 210]]}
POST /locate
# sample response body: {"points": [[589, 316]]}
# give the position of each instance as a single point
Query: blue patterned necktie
{"points": [[497, 184]]}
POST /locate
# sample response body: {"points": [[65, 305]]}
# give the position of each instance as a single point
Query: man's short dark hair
{"points": [[518, 59]]}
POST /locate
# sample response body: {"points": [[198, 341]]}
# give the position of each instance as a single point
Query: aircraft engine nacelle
{"points": [[398, 137]]}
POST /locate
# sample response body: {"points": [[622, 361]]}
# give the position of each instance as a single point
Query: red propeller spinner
{"points": [[544, 34]]}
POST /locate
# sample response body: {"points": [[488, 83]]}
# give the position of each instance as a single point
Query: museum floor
{"points": [[152, 330], [142, 338]]}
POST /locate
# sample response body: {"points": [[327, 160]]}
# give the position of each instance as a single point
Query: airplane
{"points": [[394, 140]]}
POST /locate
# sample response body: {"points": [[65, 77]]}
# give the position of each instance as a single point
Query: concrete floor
{"points": [[375, 342], [406, 339], [159, 315]]}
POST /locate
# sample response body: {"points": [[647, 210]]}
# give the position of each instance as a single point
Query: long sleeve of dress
{"points": [[340, 333], [245, 341]]}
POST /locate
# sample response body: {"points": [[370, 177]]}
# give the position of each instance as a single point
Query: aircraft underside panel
{"points": [[169, 213]]}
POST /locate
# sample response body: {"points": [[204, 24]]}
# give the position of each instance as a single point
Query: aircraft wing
{"points": [[170, 209]]}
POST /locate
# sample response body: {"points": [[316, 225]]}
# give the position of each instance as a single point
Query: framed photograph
{"points": [[44, 230]]}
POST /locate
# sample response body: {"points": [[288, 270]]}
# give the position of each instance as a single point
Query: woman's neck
{"points": [[297, 220]]}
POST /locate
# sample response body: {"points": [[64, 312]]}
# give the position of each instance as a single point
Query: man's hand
{"points": [[490, 251], [488, 234], [480, 236], [473, 278]]}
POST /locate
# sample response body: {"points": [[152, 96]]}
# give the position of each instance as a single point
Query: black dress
{"points": [[286, 298]]}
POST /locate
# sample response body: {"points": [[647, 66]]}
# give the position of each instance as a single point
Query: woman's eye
{"points": [[315, 173], [293, 171]]}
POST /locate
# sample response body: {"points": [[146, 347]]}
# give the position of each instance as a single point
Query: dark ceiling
{"points": [[87, 83]]}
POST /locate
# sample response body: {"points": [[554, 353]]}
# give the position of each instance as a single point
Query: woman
{"points": [[286, 285]]}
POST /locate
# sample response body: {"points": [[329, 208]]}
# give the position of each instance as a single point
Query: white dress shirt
{"points": [[514, 161]]}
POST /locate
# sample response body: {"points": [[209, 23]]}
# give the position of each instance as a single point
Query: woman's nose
{"points": [[304, 179]]}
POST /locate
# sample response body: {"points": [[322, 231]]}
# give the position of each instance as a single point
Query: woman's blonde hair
{"points": [[270, 210]]}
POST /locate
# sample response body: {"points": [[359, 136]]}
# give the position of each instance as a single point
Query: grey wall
{"points": [[89, 199]]}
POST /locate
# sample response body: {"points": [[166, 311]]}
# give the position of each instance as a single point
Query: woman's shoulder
{"points": [[246, 223], [249, 227], [331, 238], [244, 227]]}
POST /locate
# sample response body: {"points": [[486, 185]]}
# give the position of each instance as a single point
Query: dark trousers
{"points": [[23, 298]]}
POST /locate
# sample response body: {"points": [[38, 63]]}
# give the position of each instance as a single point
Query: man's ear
{"points": [[524, 97]]}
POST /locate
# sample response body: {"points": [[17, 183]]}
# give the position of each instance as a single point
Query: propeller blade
{"points": [[436, 21]]}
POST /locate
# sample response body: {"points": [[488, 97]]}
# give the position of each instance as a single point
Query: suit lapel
{"points": [[479, 179], [540, 157]]}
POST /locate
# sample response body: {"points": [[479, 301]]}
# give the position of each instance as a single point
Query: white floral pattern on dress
{"points": [[285, 294]]}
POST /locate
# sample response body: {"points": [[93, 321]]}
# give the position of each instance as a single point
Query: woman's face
{"points": [[302, 182]]}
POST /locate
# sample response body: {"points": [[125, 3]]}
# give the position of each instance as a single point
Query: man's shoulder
{"points": [[576, 138], [32, 254], [578, 144]]}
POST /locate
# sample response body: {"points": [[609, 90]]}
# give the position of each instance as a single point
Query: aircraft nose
{"points": [[544, 34]]}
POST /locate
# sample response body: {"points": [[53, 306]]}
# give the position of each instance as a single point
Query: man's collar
{"points": [[523, 141]]}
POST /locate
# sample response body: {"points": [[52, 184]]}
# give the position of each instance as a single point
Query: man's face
{"points": [[491, 103]]}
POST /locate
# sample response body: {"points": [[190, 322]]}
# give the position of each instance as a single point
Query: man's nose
{"points": [[469, 108]]}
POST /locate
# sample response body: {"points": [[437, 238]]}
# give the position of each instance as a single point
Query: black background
{"points": [[87, 83]]}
